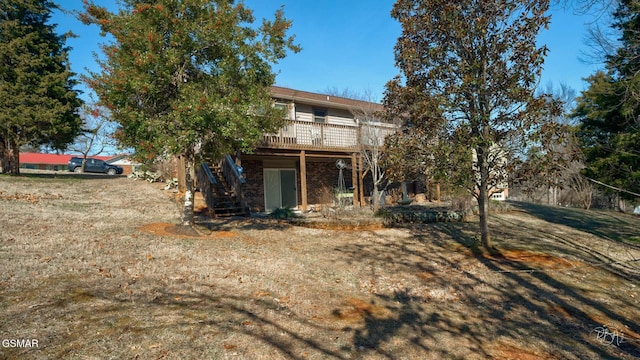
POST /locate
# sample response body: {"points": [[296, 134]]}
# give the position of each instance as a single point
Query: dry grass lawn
{"points": [[92, 267]]}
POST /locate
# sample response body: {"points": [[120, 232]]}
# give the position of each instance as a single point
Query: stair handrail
{"points": [[228, 162], [234, 178], [207, 171], [206, 181]]}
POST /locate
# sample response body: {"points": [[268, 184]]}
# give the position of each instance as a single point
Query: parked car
{"points": [[94, 166]]}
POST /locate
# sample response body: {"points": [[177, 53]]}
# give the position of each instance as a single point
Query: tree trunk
{"points": [[375, 171], [483, 200], [4, 156], [483, 210], [376, 198], [187, 212], [403, 185], [14, 162]]}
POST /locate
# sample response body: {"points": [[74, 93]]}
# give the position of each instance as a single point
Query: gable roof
{"points": [[322, 99], [52, 159]]}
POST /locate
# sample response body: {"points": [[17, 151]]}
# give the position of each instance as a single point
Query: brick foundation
{"points": [[322, 178]]}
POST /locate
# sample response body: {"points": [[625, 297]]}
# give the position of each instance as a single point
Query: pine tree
{"points": [[609, 110], [188, 78], [608, 136], [37, 99]]}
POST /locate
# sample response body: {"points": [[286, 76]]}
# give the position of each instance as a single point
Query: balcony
{"points": [[305, 135]]}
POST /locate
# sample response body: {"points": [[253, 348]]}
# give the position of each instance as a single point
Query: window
{"points": [[319, 115], [284, 107]]}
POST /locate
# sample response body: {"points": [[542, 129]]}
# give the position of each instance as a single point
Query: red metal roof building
{"points": [[30, 160]]}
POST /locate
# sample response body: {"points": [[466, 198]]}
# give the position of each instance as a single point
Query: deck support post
{"points": [[354, 179], [303, 180], [361, 180]]}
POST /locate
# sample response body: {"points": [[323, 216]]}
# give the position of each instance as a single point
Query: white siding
{"points": [[304, 112]]}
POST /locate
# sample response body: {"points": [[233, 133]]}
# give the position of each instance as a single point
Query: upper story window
{"points": [[320, 115], [284, 106]]}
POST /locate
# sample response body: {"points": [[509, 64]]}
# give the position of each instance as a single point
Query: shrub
{"points": [[418, 215], [283, 213]]}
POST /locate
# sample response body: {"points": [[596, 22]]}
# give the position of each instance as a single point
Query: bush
{"points": [[283, 213], [418, 215]]}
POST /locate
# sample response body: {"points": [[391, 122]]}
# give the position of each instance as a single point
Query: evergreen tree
{"points": [[608, 136], [37, 101], [469, 73], [609, 110], [189, 78]]}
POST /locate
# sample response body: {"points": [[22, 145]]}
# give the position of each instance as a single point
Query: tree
{"points": [[188, 77], [469, 72], [373, 131], [550, 162], [97, 132], [609, 111], [372, 139], [624, 63], [608, 136], [37, 100]]}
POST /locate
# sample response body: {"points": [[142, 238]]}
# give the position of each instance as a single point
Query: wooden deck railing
{"points": [[302, 135]]}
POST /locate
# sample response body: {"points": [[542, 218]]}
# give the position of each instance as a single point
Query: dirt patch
{"points": [[340, 225], [32, 198], [179, 231], [356, 310], [533, 259], [507, 351]]}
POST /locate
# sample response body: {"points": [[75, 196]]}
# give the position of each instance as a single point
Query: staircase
{"points": [[226, 201], [220, 189]]}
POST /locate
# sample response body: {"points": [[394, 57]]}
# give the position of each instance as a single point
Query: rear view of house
{"points": [[317, 150]]}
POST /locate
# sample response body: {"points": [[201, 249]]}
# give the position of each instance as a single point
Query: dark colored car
{"points": [[93, 166]]}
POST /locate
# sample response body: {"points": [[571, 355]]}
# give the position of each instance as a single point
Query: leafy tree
{"points": [[469, 72], [188, 77], [37, 100]]}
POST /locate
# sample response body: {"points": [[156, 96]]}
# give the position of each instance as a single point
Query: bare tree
{"points": [[97, 132], [372, 135], [373, 131], [347, 93]]}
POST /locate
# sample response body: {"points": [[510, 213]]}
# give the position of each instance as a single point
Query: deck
{"points": [[305, 135]]}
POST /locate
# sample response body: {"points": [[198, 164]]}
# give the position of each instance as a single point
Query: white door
{"points": [[280, 189]]}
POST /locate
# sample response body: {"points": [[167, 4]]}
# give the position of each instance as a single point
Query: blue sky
{"points": [[349, 44]]}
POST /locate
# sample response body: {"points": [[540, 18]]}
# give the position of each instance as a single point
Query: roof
{"points": [[52, 159], [322, 99]]}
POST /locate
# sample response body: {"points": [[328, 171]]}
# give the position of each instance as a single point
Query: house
{"points": [[318, 150], [125, 161], [498, 159], [56, 162]]}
